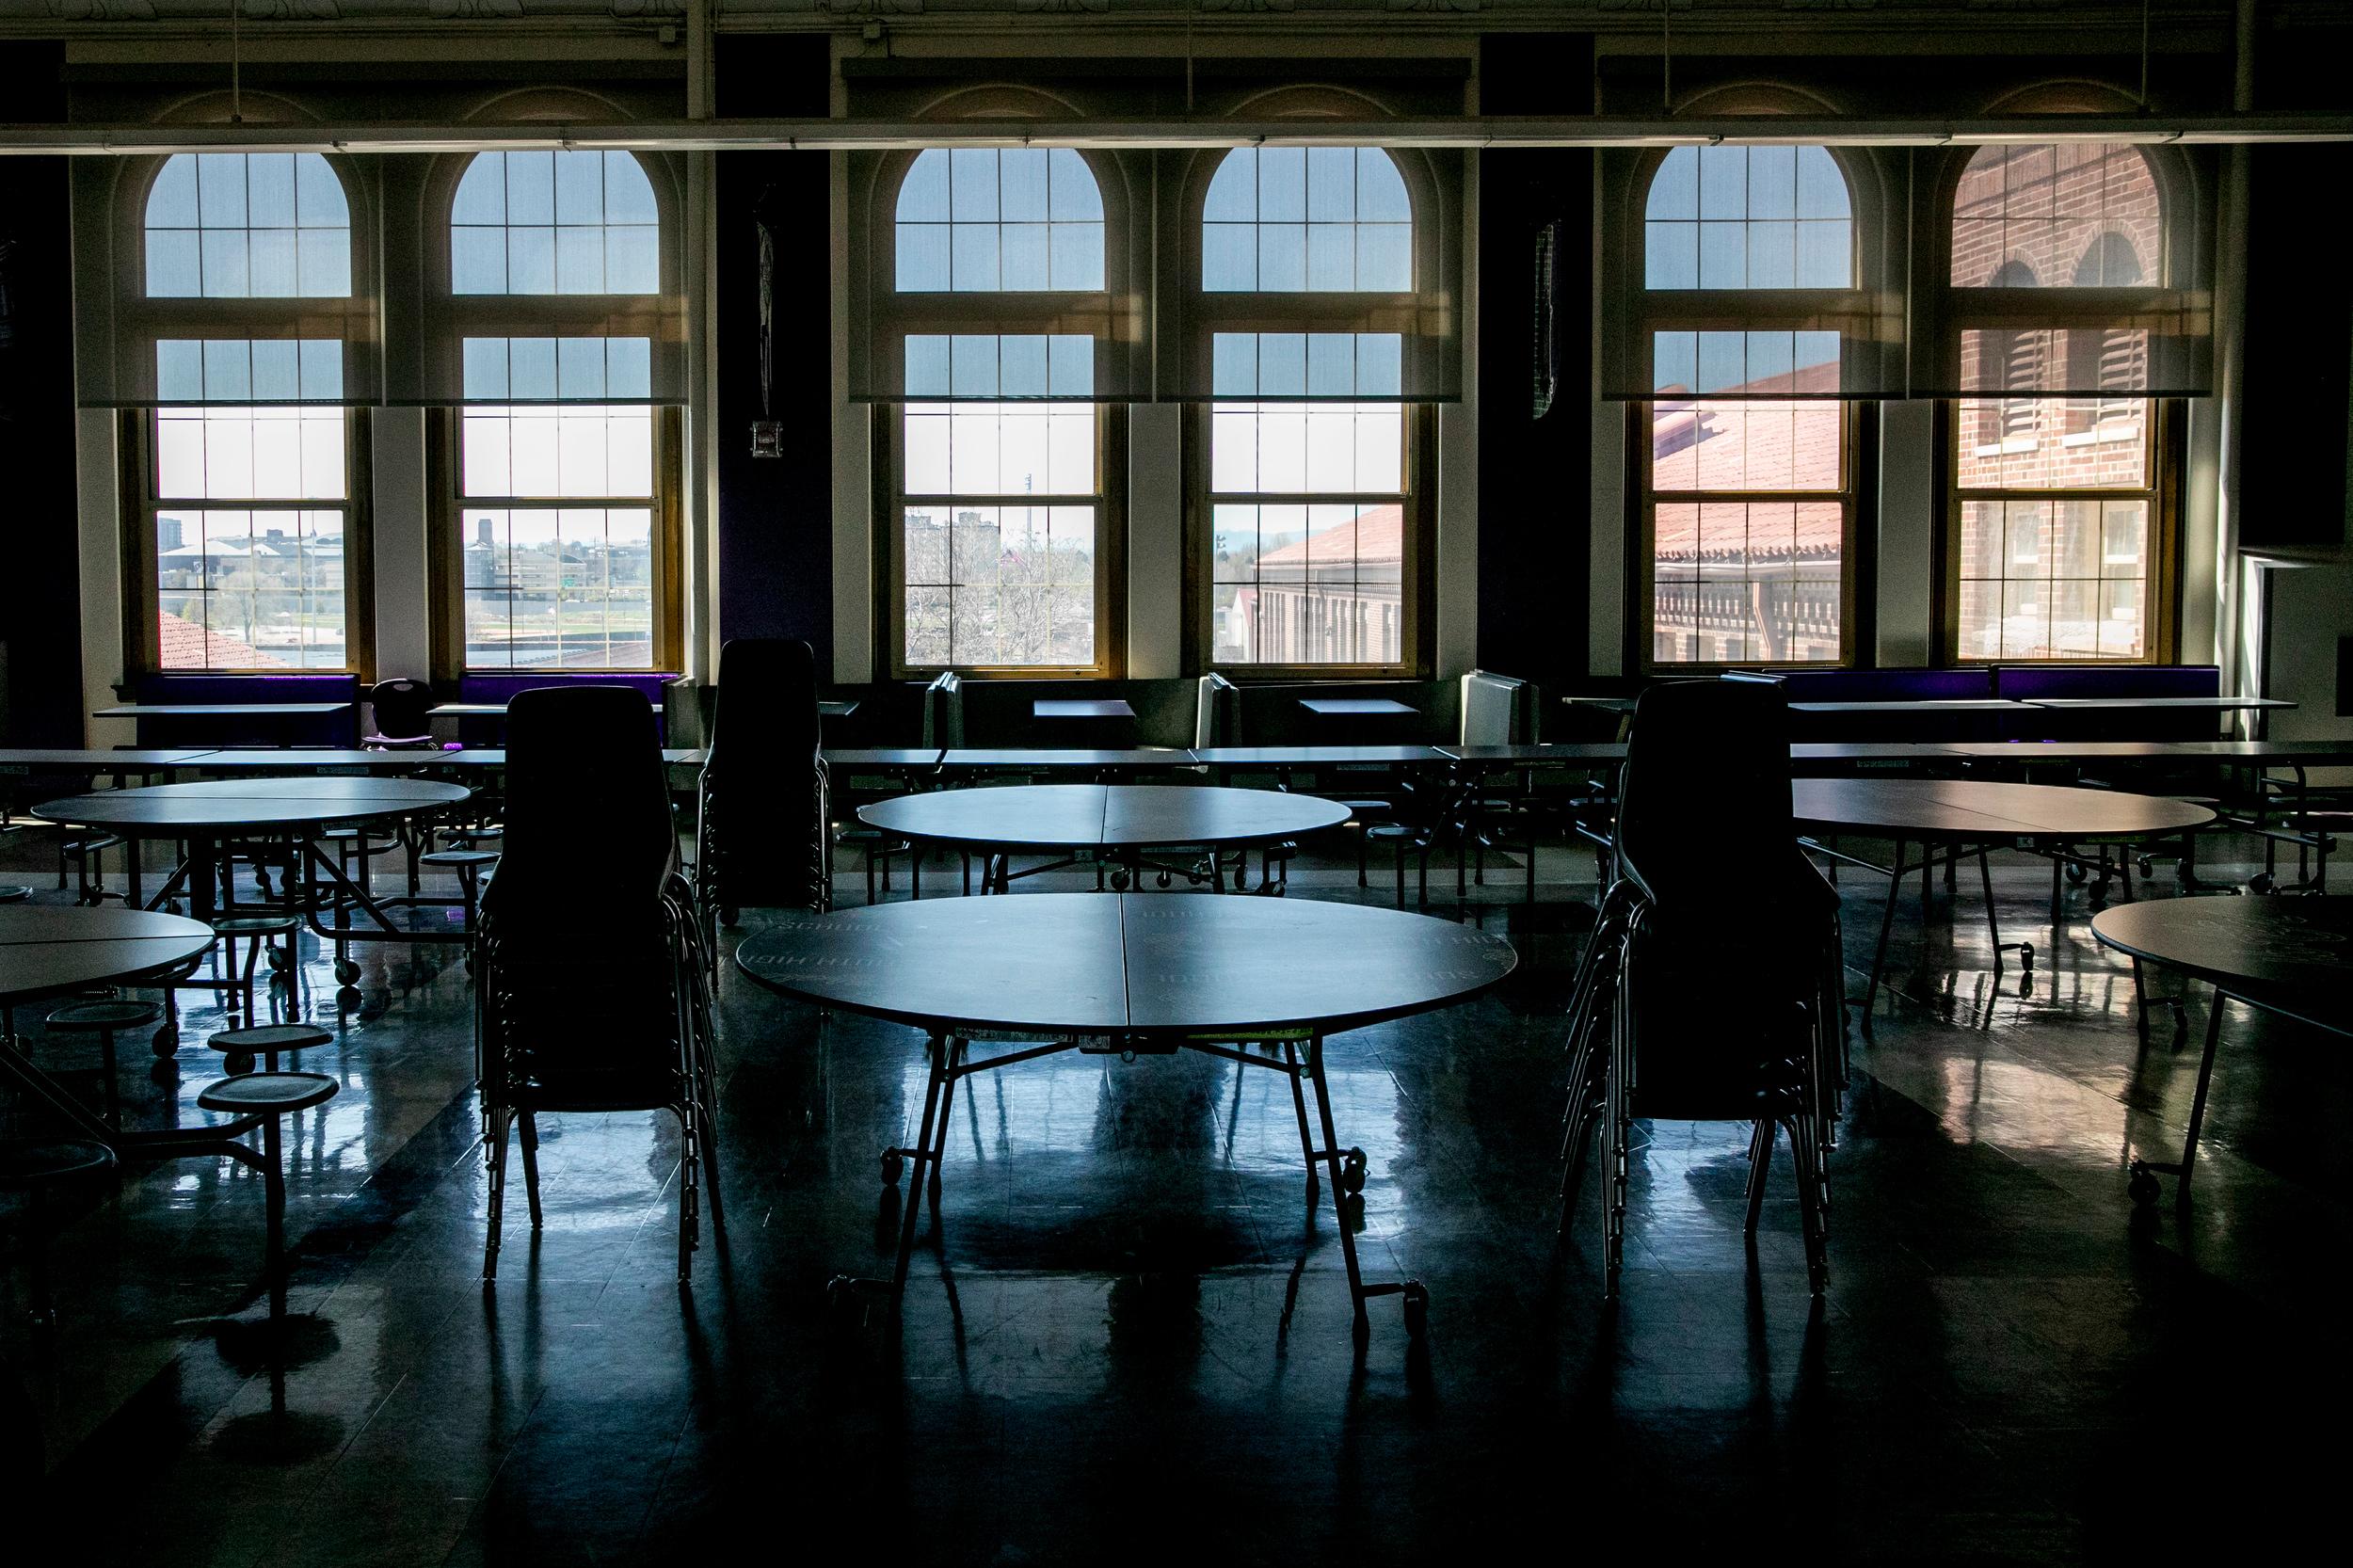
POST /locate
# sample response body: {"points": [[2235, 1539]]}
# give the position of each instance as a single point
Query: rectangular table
{"points": [[1082, 707], [1066, 759], [223, 710], [881, 758], [18, 761], [2175, 704], [830, 708], [1315, 757], [1357, 706]]}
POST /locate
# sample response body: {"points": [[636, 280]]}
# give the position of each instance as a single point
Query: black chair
{"points": [[591, 990], [403, 715], [1712, 989], [762, 836]]}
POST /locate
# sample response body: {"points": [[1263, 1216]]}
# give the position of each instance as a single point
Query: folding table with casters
{"points": [[1120, 973]]}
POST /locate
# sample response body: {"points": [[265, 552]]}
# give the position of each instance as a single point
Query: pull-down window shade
{"points": [[1750, 272], [539, 277], [1310, 274], [2079, 270], [993, 275], [223, 279]]}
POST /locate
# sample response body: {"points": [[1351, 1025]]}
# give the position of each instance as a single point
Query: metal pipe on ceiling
{"points": [[1464, 132]]}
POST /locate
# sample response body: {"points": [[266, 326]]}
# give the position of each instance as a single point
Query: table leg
{"points": [[2144, 1172], [203, 868], [938, 1051], [1887, 922]]}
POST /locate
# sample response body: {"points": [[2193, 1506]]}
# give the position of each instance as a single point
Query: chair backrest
{"points": [[589, 839], [943, 710], [1492, 709], [761, 784], [1729, 954], [400, 708], [1217, 712], [1703, 797]]}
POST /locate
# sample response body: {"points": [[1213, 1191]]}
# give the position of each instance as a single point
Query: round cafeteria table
{"points": [[207, 814], [1120, 972], [2290, 955], [1956, 816], [49, 952], [1109, 823]]}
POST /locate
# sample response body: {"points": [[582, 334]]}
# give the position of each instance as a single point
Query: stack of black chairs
{"points": [[591, 989], [763, 837], [1712, 989]]}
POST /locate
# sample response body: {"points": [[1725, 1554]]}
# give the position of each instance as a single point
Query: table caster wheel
{"points": [[41, 1325], [1353, 1173], [1417, 1309], [2143, 1186], [728, 914], [2262, 882], [2076, 874], [1164, 879], [277, 958], [1119, 882], [893, 1166], [347, 971], [238, 1062], [166, 1041]]}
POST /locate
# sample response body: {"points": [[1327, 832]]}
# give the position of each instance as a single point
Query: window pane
{"points": [[1747, 581], [250, 590]]}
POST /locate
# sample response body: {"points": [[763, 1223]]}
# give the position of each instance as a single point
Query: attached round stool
{"points": [[31, 1166], [15, 895], [469, 864], [104, 1019], [257, 930], [240, 1046], [87, 852], [264, 1100]]}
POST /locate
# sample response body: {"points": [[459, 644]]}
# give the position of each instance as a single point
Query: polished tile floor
{"points": [[1128, 1339]]}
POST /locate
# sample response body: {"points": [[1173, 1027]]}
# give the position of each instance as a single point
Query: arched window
{"points": [[1002, 547], [982, 220], [1319, 220], [2056, 248], [1315, 524], [248, 451], [555, 223], [1747, 502], [564, 462]]}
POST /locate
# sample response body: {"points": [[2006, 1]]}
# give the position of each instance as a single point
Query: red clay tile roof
{"points": [[190, 646], [1376, 533]]}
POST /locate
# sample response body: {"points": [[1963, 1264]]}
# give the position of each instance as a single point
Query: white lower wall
{"points": [[99, 520]]}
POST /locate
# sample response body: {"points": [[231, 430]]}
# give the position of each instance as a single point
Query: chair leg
{"points": [[1760, 1162], [531, 1164], [1812, 1202], [498, 1121]]}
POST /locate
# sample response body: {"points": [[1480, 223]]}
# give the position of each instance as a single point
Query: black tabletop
{"points": [[1082, 707], [303, 761], [1081, 758], [1914, 705], [1980, 810], [46, 951], [886, 759], [2293, 954], [1356, 707], [2175, 704], [1112, 964], [221, 710], [250, 803], [1575, 753], [1315, 757], [1050, 962], [1110, 816], [94, 760], [1196, 967]]}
